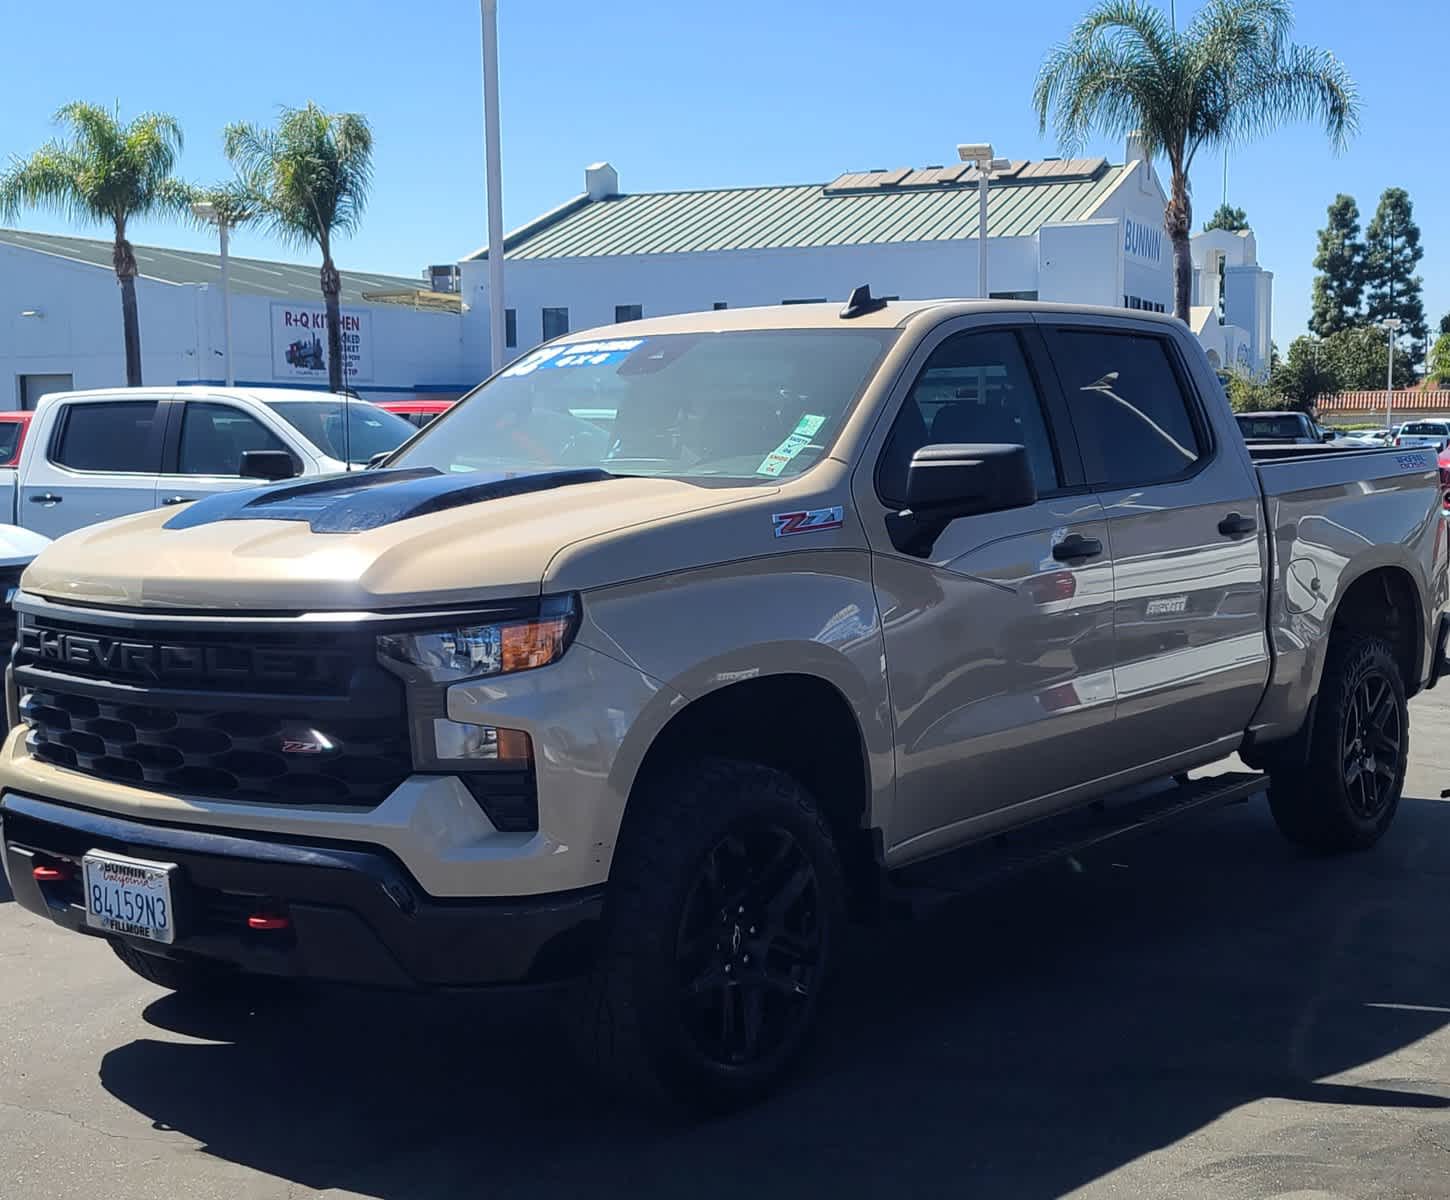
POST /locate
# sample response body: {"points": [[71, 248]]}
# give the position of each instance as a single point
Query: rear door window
{"points": [[9, 440], [1135, 422], [113, 436]]}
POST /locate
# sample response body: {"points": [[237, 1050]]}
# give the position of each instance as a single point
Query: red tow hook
{"points": [[268, 921], [51, 874]]}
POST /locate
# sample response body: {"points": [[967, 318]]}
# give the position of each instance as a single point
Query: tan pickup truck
{"points": [[678, 643]]}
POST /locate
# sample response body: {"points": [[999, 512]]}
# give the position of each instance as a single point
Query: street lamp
{"points": [[981, 154], [205, 210], [1390, 325], [488, 15]]}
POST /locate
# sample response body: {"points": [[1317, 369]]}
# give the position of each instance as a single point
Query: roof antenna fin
{"points": [[861, 303]]}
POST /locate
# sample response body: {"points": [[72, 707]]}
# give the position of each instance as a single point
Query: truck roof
{"points": [[892, 315], [199, 392]]}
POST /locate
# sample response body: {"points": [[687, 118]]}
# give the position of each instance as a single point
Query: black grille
{"points": [[231, 722], [263, 757]]}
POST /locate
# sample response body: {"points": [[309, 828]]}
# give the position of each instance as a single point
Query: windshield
{"points": [[372, 431], [1427, 428], [755, 405], [1288, 426]]}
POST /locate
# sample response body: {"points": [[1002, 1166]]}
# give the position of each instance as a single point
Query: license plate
{"points": [[129, 896]]}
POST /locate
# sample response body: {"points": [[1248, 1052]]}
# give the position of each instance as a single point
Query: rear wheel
{"points": [[174, 974], [1346, 795], [726, 903]]}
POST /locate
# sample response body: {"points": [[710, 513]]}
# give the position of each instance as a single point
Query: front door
{"points": [[101, 462], [1185, 525], [204, 451], [998, 643]]}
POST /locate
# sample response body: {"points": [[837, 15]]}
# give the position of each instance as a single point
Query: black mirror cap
{"points": [[960, 480], [270, 465], [947, 481]]}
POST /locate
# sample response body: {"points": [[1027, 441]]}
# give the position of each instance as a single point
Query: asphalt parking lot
{"points": [[1201, 1013]]}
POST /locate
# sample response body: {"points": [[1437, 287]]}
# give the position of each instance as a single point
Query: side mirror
{"points": [[945, 482], [270, 465], [1327, 435]]}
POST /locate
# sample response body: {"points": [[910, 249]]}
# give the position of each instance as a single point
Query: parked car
{"points": [[840, 597], [1435, 434], [416, 412], [1284, 428], [1373, 438], [13, 426], [17, 548], [102, 454]]}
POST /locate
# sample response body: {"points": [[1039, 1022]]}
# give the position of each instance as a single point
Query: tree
{"points": [[1226, 216], [1339, 285], [106, 173], [1438, 366], [1392, 249], [309, 178], [1358, 359], [1247, 394], [1231, 74], [1445, 323], [1305, 374]]}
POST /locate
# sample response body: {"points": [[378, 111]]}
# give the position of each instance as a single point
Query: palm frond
{"points": [[1307, 84]]}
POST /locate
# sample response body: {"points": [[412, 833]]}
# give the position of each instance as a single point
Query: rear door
{"points": [[1184, 523], [998, 642], [100, 460], [204, 446]]}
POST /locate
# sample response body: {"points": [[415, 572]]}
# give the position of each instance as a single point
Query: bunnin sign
{"points": [[1142, 241], [299, 343]]}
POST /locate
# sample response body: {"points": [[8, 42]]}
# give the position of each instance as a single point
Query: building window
{"points": [[1137, 302], [807, 300], [627, 312], [556, 322], [510, 327], [719, 304], [1032, 295]]}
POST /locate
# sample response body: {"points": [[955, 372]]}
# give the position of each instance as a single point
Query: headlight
{"points": [[477, 651]]}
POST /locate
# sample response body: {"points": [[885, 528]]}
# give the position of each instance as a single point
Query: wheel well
{"points": [[1383, 602], [799, 724]]}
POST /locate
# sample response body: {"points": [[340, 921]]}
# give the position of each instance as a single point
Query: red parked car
{"points": [[1444, 460], [419, 412], [12, 436]]}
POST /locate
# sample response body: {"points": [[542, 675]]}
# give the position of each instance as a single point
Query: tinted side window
{"points": [[975, 387], [9, 439], [1132, 419], [107, 437], [213, 437]]}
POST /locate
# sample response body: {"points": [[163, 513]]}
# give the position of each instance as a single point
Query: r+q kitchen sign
{"points": [[299, 342], [1143, 241]]}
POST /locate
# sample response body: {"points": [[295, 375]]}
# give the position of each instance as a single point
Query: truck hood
{"points": [[360, 542]]}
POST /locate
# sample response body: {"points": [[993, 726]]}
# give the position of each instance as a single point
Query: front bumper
{"points": [[355, 914]]}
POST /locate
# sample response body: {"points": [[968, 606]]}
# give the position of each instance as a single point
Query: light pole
{"points": [[493, 167], [981, 154], [1390, 325], [205, 210]]}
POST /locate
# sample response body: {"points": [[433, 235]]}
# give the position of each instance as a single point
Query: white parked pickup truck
{"points": [[94, 455]]}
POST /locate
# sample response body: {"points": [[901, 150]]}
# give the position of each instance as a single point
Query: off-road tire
{"points": [[1326, 804], [174, 974], [646, 1016]]}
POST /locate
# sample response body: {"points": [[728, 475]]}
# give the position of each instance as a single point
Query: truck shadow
{"points": [[1021, 1043]]}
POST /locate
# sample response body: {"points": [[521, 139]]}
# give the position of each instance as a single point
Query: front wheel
{"points": [[726, 904], [1345, 797]]}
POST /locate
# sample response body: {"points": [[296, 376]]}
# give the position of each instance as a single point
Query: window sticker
{"points": [[778, 459], [576, 354]]}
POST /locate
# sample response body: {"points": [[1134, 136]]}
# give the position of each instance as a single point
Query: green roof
{"points": [[863, 208], [284, 281]]}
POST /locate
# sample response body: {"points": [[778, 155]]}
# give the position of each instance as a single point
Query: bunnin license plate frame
{"points": [[150, 881]]}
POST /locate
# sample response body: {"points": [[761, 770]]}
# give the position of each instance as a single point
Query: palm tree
{"points": [[1231, 74], [310, 178], [104, 172]]}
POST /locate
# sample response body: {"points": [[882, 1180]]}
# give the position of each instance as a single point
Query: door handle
{"points": [[1076, 546], [46, 498], [1237, 525], [178, 499]]}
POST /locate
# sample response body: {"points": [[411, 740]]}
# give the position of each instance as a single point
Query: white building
{"points": [[60, 323], [1079, 230], [1232, 296]]}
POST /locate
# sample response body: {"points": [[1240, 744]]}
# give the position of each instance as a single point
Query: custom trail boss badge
{"points": [[808, 520]]}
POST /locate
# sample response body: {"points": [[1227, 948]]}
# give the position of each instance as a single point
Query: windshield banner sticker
{"points": [[808, 520], [577, 354], [778, 459]]}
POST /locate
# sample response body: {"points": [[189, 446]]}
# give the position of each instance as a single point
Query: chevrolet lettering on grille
{"points": [[166, 661]]}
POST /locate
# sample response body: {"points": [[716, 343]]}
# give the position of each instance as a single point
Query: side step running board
{"points": [[1125, 815]]}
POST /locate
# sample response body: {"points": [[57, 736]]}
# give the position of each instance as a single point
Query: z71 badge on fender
{"points": [[809, 520]]}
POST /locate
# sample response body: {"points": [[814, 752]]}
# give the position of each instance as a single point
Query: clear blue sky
{"points": [[681, 95]]}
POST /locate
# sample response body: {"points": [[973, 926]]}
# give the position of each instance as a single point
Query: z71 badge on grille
{"points": [[808, 520]]}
